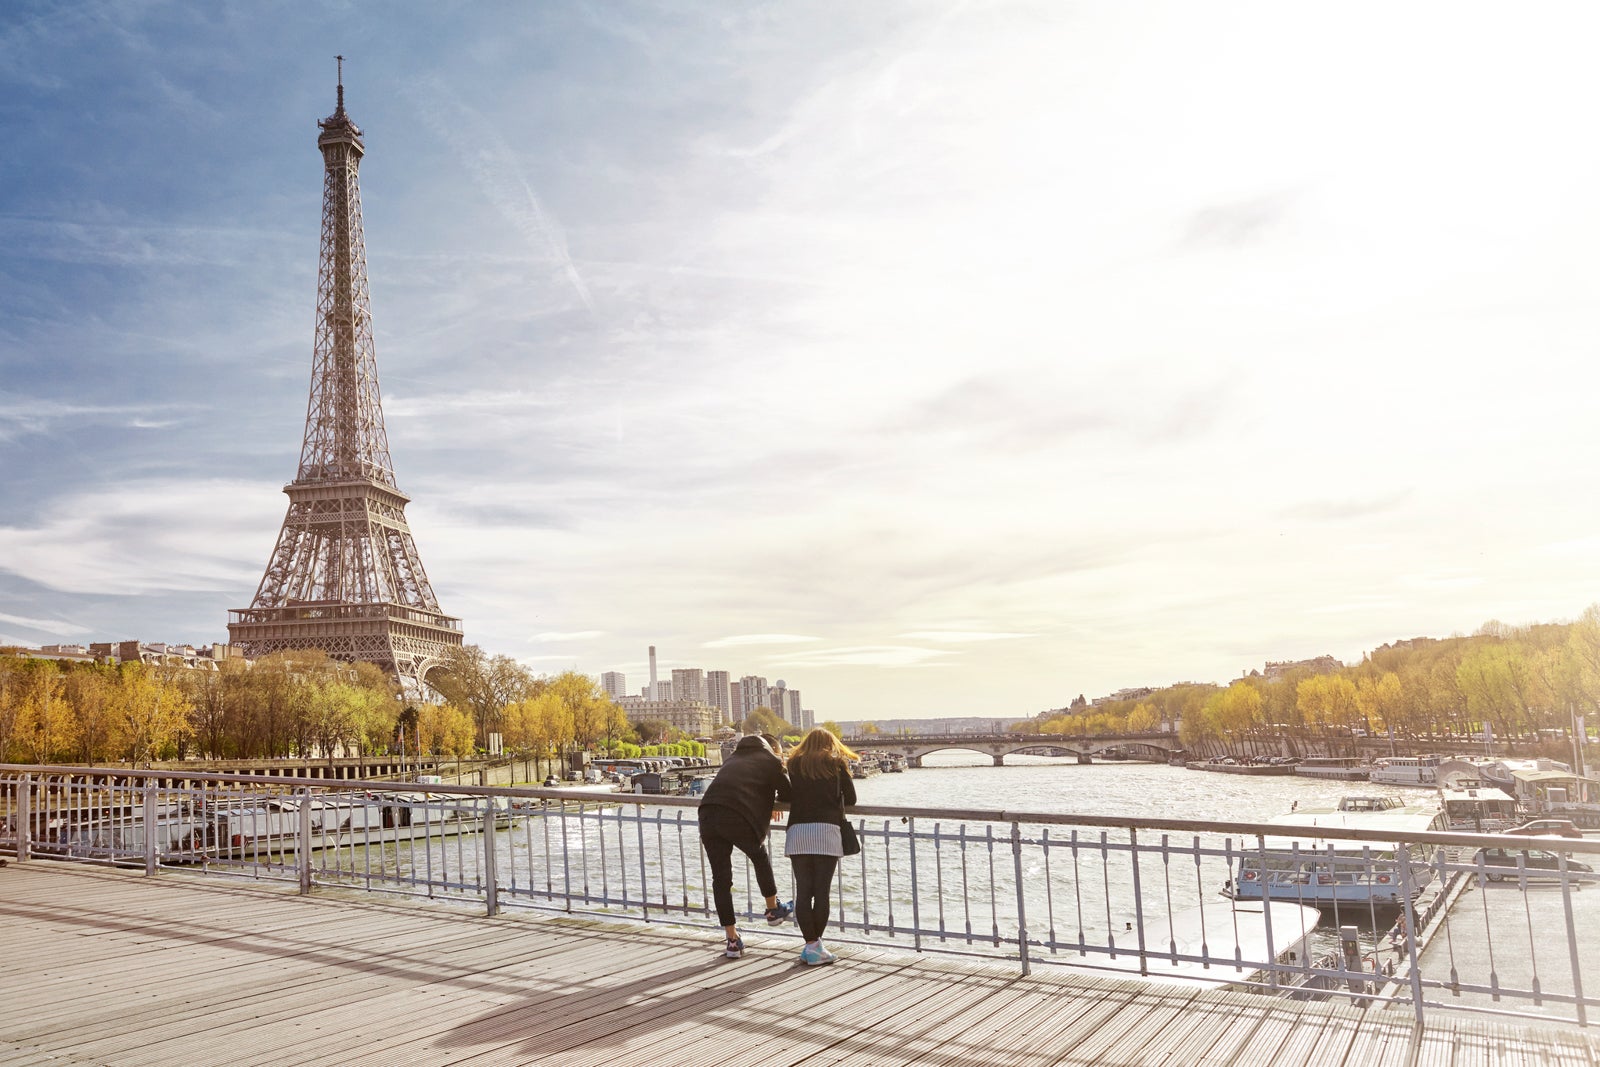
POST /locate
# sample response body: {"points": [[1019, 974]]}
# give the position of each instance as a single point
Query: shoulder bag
{"points": [[847, 833]]}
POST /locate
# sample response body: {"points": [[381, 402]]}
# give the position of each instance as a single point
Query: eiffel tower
{"points": [[345, 576]]}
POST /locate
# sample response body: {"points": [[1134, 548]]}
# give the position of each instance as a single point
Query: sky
{"points": [[937, 358]]}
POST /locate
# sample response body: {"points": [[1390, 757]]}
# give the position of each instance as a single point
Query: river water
{"points": [[955, 779]]}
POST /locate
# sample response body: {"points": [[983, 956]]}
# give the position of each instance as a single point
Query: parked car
{"points": [[1548, 827], [1501, 863]]}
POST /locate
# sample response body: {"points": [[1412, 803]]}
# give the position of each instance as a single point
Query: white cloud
{"points": [[49, 626]]}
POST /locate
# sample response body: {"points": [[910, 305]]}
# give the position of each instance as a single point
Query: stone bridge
{"points": [[1149, 747]]}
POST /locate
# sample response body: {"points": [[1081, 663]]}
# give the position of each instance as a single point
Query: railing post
{"points": [[24, 817], [149, 826], [1411, 933], [1022, 907], [916, 910], [490, 876], [1572, 939], [644, 871], [302, 851], [1138, 900]]}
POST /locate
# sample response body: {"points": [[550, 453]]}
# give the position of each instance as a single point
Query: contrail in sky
{"points": [[494, 167]]}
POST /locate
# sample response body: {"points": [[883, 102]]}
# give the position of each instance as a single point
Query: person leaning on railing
{"points": [[819, 779], [736, 812]]}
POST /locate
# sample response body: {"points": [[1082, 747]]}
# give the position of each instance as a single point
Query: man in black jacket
{"points": [[736, 812]]}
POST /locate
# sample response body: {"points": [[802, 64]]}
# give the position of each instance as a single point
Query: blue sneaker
{"points": [[735, 948], [777, 916], [815, 955]]}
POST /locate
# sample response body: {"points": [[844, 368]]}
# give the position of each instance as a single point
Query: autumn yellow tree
{"points": [[1328, 700], [1381, 700], [1234, 711], [445, 730], [90, 690], [1143, 719], [44, 720], [150, 715]]}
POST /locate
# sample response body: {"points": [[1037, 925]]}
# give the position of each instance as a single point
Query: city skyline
{"points": [[954, 360]]}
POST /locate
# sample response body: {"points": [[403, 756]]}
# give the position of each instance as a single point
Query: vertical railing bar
{"points": [[1138, 900], [149, 827], [1572, 940], [1403, 853], [1049, 887], [490, 875], [916, 881], [888, 876], [302, 850], [644, 872], [1022, 907], [1077, 892]]}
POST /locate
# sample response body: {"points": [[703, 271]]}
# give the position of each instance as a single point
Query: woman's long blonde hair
{"points": [[819, 755]]}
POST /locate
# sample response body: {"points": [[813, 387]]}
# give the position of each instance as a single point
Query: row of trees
{"points": [[300, 704], [1520, 682]]}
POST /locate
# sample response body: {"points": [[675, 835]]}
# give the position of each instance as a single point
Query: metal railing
{"points": [[1477, 929]]}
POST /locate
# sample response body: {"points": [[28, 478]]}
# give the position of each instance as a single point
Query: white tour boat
{"points": [[1406, 770], [1324, 870], [1343, 768]]}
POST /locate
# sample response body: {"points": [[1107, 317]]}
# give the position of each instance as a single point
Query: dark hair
{"points": [[819, 755]]}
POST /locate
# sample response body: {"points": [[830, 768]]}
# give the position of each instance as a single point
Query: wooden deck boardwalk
{"points": [[110, 967]]}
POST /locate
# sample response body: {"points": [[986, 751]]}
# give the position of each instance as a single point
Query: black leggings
{"points": [[813, 877], [720, 833]]}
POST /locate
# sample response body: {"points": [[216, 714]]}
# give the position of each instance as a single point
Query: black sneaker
{"points": [[735, 948], [777, 916]]}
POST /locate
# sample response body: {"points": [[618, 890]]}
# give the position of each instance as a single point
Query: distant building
{"points": [[752, 694], [615, 684], [1135, 693], [689, 683], [694, 717], [161, 654], [1319, 665], [718, 695]]}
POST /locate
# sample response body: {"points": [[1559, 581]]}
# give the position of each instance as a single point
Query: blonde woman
{"points": [[819, 790]]}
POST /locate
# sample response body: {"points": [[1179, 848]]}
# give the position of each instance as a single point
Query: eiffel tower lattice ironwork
{"points": [[345, 576]]}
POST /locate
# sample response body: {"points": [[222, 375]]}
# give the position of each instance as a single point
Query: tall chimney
{"points": [[655, 694]]}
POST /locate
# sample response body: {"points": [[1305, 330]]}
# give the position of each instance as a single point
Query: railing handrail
{"points": [[1584, 846]]}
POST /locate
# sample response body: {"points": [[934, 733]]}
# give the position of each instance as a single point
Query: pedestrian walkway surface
{"points": [[102, 966]]}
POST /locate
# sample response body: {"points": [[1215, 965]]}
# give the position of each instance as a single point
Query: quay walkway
{"points": [[101, 966]]}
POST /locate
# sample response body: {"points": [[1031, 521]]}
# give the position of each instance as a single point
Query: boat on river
{"points": [[1324, 870], [1341, 768], [1479, 809], [244, 826], [1502, 773], [1406, 770], [865, 767], [1257, 767]]}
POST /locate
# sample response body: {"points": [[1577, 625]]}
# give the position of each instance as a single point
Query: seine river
{"points": [[954, 779]]}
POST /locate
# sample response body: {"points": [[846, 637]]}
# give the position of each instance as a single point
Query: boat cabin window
{"points": [[1368, 803]]}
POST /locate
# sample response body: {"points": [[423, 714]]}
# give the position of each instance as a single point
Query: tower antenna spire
{"points": [[341, 81]]}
